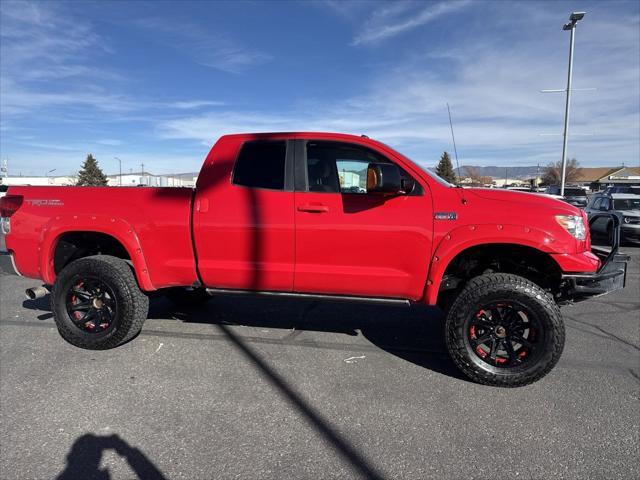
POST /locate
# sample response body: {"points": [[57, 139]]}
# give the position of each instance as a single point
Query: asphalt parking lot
{"points": [[258, 388]]}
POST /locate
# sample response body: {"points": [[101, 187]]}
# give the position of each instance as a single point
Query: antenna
{"points": [[455, 150]]}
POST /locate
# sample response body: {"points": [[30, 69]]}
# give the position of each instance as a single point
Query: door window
{"points": [[340, 168], [261, 165]]}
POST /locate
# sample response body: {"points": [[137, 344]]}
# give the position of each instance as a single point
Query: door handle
{"points": [[313, 208]]}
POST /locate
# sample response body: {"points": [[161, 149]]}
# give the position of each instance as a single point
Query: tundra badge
{"points": [[445, 215]]}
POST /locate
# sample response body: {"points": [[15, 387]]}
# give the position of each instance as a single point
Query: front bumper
{"points": [[611, 275], [631, 232]]}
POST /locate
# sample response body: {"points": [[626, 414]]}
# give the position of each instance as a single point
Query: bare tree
{"points": [[476, 178], [472, 173], [553, 172], [486, 180]]}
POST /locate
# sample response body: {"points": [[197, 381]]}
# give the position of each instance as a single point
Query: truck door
{"points": [[243, 217], [351, 242]]}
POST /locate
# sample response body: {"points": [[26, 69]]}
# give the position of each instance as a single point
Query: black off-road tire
{"points": [[184, 297], [132, 303], [499, 287]]}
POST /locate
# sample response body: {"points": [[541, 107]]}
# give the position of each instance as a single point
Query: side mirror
{"points": [[384, 179]]}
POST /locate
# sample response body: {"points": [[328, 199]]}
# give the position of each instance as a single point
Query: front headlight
{"points": [[574, 225]]}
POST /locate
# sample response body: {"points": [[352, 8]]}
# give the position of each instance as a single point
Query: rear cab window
{"points": [[261, 164]]}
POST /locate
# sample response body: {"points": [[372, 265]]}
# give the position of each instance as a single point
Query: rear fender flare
{"points": [[117, 228], [467, 236]]}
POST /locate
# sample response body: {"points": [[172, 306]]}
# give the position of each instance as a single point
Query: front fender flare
{"points": [[467, 236]]}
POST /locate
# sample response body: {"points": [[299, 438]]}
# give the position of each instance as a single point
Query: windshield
{"points": [[435, 176], [574, 192], [424, 169], [626, 204]]}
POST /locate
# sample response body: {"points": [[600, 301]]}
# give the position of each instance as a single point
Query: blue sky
{"points": [[158, 82]]}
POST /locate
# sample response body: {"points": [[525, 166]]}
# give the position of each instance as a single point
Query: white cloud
{"points": [[492, 82], [214, 50], [493, 88], [396, 18], [112, 142], [52, 61], [194, 104]]}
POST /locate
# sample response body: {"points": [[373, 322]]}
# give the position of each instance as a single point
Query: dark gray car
{"points": [[625, 206], [572, 195]]}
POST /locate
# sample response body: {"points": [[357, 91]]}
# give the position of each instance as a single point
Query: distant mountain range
{"points": [[501, 172]]}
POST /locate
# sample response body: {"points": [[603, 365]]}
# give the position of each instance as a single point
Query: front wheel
{"points": [[504, 330], [97, 304]]}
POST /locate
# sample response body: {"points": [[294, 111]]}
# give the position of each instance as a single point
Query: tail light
{"points": [[9, 204]]}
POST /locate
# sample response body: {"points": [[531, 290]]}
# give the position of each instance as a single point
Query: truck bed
{"points": [[153, 224]]}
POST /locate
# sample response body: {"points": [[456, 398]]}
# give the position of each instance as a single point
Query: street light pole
{"points": [[47, 174], [574, 17], [120, 164]]}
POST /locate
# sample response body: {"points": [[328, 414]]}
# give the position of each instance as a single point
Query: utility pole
{"points": [[120, 165], [505, 176], [571, 26], [142, 172]]}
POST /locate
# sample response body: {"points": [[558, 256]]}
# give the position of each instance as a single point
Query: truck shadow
{"points": [[401, 331], [415, 334]]}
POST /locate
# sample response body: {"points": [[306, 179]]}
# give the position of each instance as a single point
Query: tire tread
{"points": [[134, 309], [487, 284]]}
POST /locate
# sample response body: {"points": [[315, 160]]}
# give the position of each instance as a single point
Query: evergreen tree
{"points": [[90, 175], [445, 168]]}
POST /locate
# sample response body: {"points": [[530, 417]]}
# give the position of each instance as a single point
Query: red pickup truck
{"points": [[318, 215]]}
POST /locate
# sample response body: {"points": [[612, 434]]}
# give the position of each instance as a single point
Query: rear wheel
{"points": [[97, 303], [504, 330]]}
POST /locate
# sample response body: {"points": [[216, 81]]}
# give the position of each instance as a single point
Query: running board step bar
{"points": [[312, 296]]}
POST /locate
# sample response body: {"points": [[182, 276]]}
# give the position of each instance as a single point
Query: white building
{"points": [[127, 180], [149, 180], [38, 181], [510, 182]]}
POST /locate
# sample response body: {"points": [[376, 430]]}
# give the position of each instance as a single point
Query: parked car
{"points": [[635, 189], [521, 189], [269, 216], [3, 190], [572, 195], [623, 205]]}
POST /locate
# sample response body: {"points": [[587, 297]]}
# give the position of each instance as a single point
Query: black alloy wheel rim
{"points": [[91, 305], [504, 334]]}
